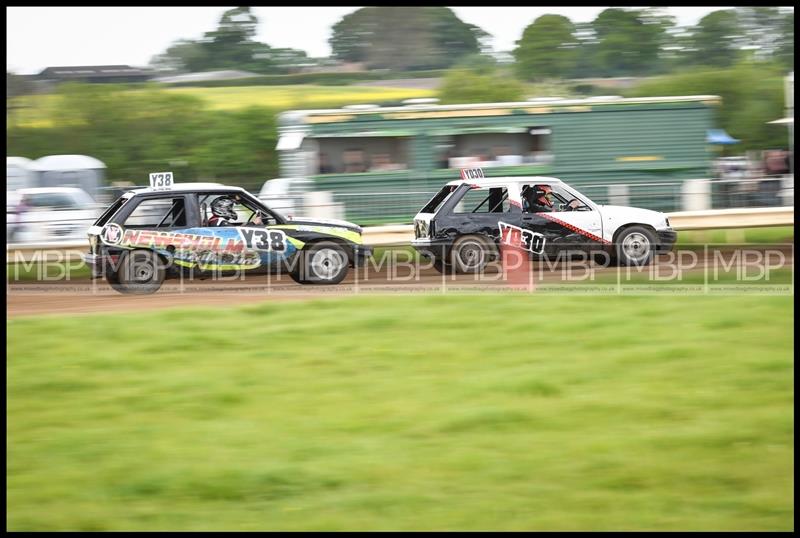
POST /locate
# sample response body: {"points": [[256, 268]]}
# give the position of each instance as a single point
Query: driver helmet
{"points": [[543, 195], [223, 207]]}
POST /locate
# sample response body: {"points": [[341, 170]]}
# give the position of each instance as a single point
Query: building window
{"points": [[358, 155], [486, 150]]}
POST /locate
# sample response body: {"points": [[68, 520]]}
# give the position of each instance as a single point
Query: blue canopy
{"points": [[719, 136]]}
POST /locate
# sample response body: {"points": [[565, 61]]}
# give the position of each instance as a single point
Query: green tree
{"points": [[752, 95], [135, 132], [761, 27], [238, 147], [231, 46], [547, 49], [715, 39], [405, 38], [585, 62], [678, 48], [785, 51], [629, 42], [183, 55], [480, 63]]}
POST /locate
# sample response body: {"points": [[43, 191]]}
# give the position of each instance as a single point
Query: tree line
{"points": [[644, 42], [618, 42], [741, 55]]}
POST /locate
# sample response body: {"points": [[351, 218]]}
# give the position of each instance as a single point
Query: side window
{"points": [[158, 213], [437, 201], [245, 211], [547, 198], [493, 200]]}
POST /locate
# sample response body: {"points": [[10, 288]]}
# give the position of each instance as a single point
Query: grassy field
{"points": [[427, 412], [37, 110], [764, 235], [303, 96]]}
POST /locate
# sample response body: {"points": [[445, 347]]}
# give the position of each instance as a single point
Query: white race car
{"points": [[463, 225]]}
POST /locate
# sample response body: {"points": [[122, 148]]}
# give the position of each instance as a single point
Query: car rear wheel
{"points": [[471, 254], [635, 246], [321, 263], [141, 272]]}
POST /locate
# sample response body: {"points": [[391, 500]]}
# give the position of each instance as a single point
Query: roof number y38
{"points": [[161, 180], [268, 241]]}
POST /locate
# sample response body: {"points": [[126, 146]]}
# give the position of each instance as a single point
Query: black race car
{"points": [[150, 234]]}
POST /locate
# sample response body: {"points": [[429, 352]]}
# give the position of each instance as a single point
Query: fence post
{"points": [[320, 204], [696, 194], [618, 195]]}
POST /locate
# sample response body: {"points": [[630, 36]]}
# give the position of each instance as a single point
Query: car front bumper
{"points": [[666, 239], [361, 253], [101, 265], [432, 248]]}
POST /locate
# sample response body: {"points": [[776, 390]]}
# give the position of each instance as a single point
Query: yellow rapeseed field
{"points": [[37, 110]]}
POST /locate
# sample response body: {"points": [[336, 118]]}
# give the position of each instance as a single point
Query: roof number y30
{"points": [[472, 173]]}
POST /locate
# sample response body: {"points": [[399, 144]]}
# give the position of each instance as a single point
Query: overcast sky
{"points": [[38, 37]]}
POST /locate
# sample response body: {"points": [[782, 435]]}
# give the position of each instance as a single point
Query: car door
{"points": [[479, 210], [249, 245], [571, 224]]}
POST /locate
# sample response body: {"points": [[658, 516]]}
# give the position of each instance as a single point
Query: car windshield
{"points": [[560, 195], [112, 209]]}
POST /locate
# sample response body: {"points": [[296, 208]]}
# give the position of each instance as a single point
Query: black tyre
{"points": [[141, 272], [471, 254], [444, 268], [321, 263], [635, 246], [604, 258]]}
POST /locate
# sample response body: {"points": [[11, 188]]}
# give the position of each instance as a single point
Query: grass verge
{"points": [[426, 412]]}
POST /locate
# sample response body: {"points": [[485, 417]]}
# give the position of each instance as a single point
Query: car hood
{"points": [[634, 214], [335, 223]]}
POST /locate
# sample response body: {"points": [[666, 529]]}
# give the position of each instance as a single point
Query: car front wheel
{"points": [[321, 263], [635, 246]]}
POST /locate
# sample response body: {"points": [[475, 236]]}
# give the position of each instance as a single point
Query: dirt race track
{"points": [[91, 296]]}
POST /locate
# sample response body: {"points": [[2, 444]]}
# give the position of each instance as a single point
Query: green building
{"points": [[383, 163]]}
